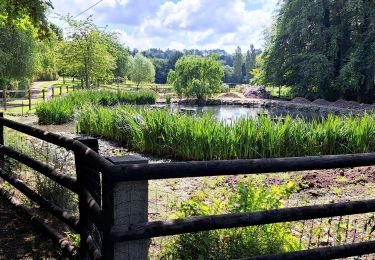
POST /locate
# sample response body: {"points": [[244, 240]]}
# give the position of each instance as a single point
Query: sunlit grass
{"points": [[181, 136], [61, 109]]}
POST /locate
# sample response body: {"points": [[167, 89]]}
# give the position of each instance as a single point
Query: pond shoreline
{"points": [[281, 104]]}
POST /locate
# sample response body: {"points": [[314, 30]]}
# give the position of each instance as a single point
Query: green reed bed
{"points": [[181, 136], [61, 110]]}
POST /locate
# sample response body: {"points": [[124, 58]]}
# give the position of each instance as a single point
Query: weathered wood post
{"points": [[5, 99], [67, 89], [29, 99], [73, 87], [44, 95], [89, 179], [2, 158], [53, 92], [125, 203], [60, 90]]}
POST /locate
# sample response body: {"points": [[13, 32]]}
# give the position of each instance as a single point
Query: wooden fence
{"points": [[113, 198], [26, 97]]}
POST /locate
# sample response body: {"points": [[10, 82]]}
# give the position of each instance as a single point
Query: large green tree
{"points": [[237, 63], [141, 69], [323, 48], [86, 52], [197, 76], [15, 14], [250, 60], [17, 55]]}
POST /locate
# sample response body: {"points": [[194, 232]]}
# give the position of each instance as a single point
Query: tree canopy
{"points": [[15, 14], [323, 49], [196, 76], [87, 52], [141, 69]]}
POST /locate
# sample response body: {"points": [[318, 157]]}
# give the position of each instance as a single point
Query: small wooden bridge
{"points": [[113, 198]]}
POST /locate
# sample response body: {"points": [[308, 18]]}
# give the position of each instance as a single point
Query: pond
{"points": [[229, 113]]}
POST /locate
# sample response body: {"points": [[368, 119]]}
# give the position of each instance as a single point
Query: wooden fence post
{"points": [[29, 99], [67, 89], [2, 158], [125, 203], [5, 99], [73, 87], [60, 90], [89, 179], [53, 92], [44, 95]]}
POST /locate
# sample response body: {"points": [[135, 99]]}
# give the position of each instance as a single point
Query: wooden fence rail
{"points": [[31, 95], [113, 198]]}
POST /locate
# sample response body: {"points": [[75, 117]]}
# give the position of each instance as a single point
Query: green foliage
{"points": [[239, 242], [141, 69], [61, 110], [237, 63], [87, 53], [47, 59], [19, 14], [168, 99], [17, 55], [181, 136], [196, 76], [250, 61], [324, 49]]}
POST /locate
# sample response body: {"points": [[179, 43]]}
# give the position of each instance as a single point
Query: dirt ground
{"points": [[19, 239]]}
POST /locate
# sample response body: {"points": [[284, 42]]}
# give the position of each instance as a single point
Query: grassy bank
{"points": [[61, 110], [186, 137]]}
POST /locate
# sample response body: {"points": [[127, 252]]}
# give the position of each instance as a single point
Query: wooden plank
{"points": [[95, 159], [56, 237], [44, 169], [236, 167], [213, 222], [52, 208]]}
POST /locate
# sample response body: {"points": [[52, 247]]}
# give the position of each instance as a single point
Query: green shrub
{"points": [[61, 110], [236, 242], [186, 137], [168, 99]]}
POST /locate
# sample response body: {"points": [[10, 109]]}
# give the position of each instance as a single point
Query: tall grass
{"points": [[187, 137], [61, 110]]}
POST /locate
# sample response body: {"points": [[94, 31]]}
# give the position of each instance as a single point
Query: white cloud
{"points": [[183, 23]]}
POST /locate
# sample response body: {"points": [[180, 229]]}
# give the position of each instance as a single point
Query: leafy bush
{"points": [[168, 99], [61, 110], [186, 137], [236, 242]]}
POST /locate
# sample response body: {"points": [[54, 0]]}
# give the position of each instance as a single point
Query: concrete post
{"points": [[128, 203]]}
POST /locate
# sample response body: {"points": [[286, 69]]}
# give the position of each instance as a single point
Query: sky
{"points": [[178, 24]]}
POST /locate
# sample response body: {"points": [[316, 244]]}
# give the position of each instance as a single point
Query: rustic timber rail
{"points": [[113, 198], [30, 97]]}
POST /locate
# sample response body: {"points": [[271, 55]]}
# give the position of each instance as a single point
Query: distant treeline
{"points": [[237, 66]]}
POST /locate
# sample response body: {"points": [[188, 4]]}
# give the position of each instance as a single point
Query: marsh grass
{"points": [[180, 136], [61, 110]]}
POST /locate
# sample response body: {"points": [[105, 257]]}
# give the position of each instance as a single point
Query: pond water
{"points": [[229, 113]]}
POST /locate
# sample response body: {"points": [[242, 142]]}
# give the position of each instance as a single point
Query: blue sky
{"points": [[179, 24]]}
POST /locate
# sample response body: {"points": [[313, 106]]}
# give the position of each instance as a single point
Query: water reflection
{"points": [[231, 113]]}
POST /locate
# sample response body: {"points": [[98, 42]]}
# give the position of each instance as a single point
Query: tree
{"points": [[196, 76], [46, 61], [161, 70], [323, 49], [228, 74], [250, 60], [141, 70], [237, 62], [17, 55], [87, 52], [15, 14]]}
